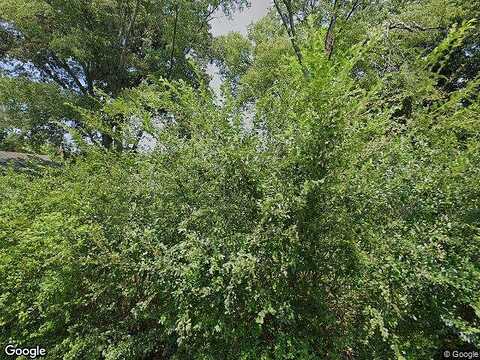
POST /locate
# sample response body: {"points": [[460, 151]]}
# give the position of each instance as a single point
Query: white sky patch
{"points": [[222, 24]]}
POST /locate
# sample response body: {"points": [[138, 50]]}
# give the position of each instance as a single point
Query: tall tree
{"points": [[325, 13], [90, 49]]}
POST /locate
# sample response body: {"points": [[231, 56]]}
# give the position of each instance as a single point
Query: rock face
{"points": [[22, 161]]}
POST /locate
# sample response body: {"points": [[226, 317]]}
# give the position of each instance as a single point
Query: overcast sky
{"points": [[221, 24]]}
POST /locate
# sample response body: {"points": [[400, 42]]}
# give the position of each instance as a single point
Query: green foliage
{"points": [[234, 54], [33, 120], [342, 222], [91, 48]]}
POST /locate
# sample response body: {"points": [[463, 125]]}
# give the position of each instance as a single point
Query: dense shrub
{"points": [[342, 225]]}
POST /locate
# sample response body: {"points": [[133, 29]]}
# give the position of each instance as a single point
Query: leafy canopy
{"points": [[322, 210]]}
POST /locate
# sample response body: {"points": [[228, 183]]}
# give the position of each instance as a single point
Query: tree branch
{"points": [[173, 41], [288, 23], [350, 13], [69, 71], [130, 24], [88, 78], [412, 27], [330, 37], [210, 13], [53, 76]]}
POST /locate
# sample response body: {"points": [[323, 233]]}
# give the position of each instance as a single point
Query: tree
{"points": [[92, 48], [343, 223], [233, 55]]}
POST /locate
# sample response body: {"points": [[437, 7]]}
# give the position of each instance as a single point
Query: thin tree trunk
{"points": [[288, 23], [174, 40], [330, 37]]}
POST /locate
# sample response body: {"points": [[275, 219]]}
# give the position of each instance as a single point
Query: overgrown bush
{"points": [[343, 224]]}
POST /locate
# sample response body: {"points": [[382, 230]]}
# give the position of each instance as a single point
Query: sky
{"points": [[239, 21], [222, 25]]}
